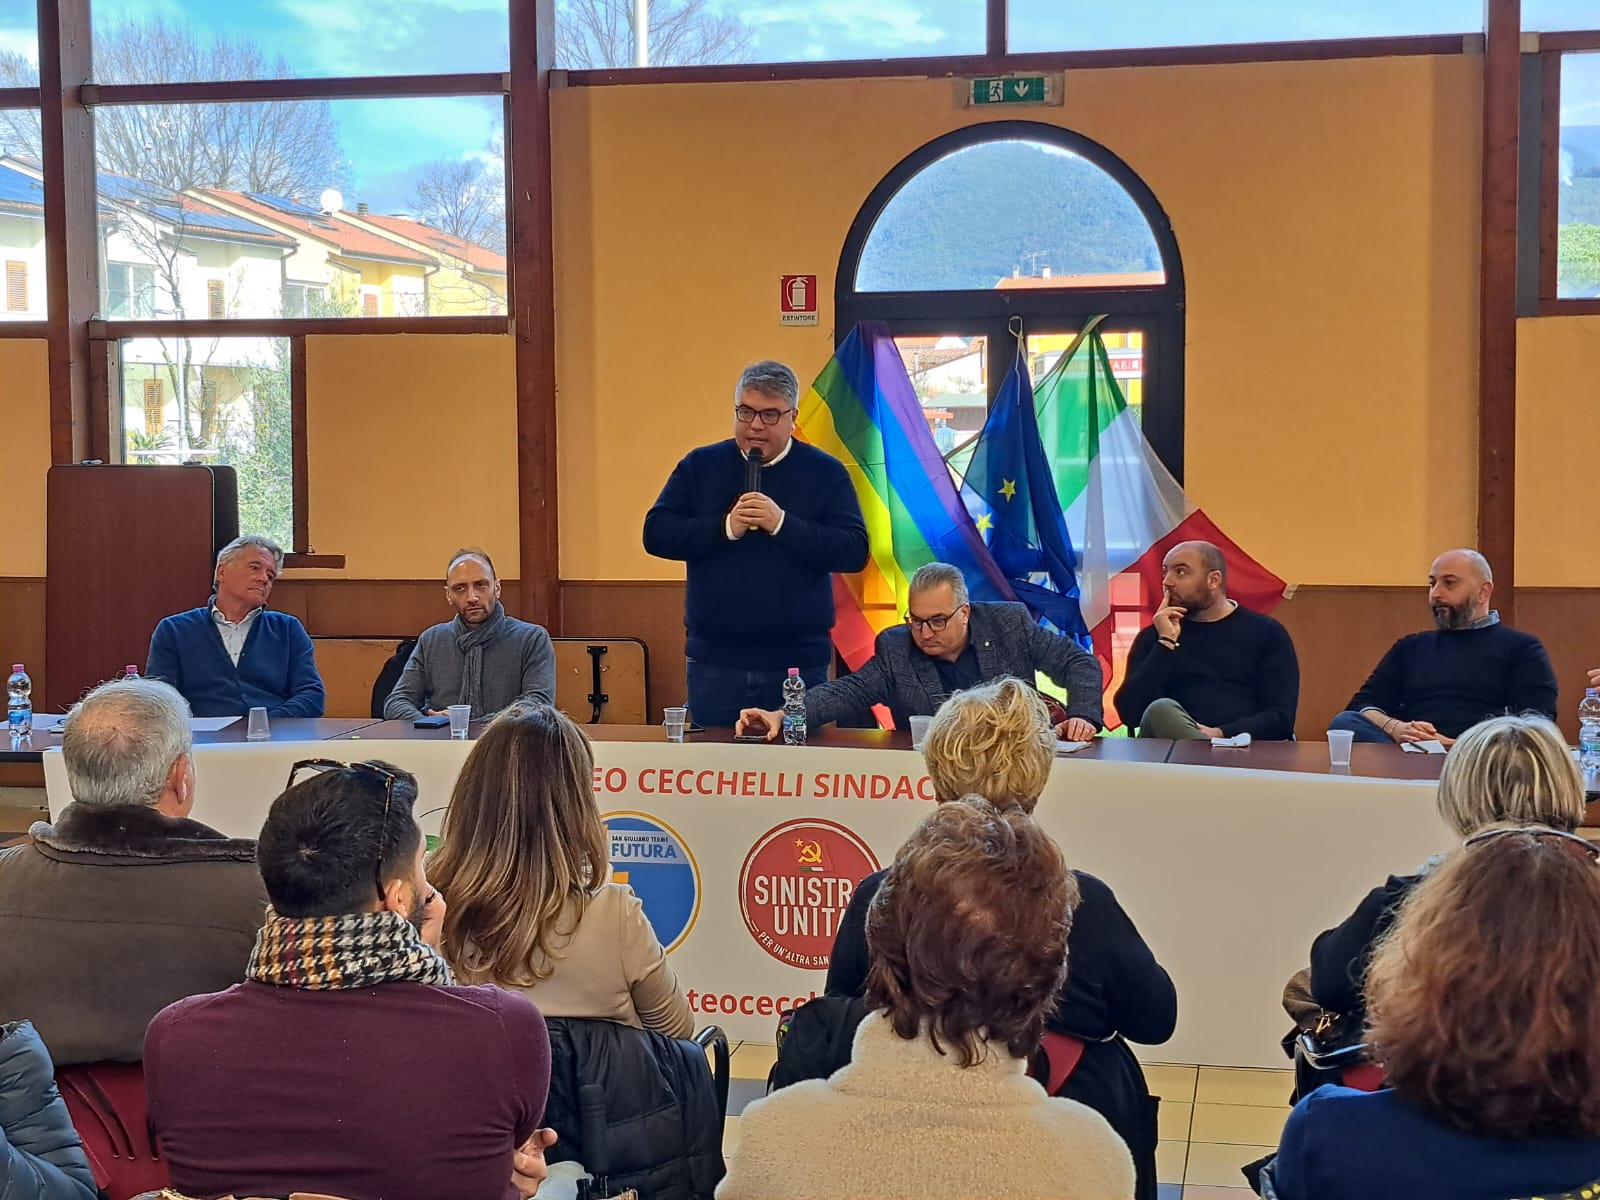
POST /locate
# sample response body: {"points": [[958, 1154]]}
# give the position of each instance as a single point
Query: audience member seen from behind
{"points": [[995, 741], [1484, 1008], [349, 1020], [1515, 769], [40, 1155], [125, 903], [968, 942], [526, 864], [482, 658], [1434, 685], [235, 654]]}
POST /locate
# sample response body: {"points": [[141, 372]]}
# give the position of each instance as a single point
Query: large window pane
{"points": [[599, 33], [1060, 222], [1578, 183], [21, 233], [1547, 16], [136, 41], [950, 375], [19, 43], [1088, 25], [391, 208], [216, 401]]}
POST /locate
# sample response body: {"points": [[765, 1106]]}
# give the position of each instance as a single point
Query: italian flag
{"points": [[1123, 509]]}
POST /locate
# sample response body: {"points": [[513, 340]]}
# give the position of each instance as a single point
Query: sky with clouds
{"points": [[386, 141]]}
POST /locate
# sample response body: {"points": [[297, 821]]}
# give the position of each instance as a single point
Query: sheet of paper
{"points": [[1071, 747], [48, 722], [1429, 747], [211, 724], [1237, 742]]}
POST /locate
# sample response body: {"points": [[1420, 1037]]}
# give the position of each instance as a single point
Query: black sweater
{"points": [[1454, 678], [1340, 955], [1114, 984], [759, 602], [1239, 674]]}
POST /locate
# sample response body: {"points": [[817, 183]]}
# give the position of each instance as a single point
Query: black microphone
{"points": [[752, 470]]}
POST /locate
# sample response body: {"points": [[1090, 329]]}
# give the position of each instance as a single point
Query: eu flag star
{"points": [[985, 523], [1009, 488]]}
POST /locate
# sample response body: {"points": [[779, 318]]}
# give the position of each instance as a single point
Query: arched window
{"points": [[1018, 219]]}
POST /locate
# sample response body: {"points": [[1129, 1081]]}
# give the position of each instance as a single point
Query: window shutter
{"points": [[369, 304], [16, 286], [214, 304]]}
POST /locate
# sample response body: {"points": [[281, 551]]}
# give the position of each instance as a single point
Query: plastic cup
{"points": [[675, 718], [1339, 747], [460, 718], [256, 728], [919, 731]]}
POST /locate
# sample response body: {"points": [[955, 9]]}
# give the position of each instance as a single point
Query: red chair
{"points": [[108, 1108]]}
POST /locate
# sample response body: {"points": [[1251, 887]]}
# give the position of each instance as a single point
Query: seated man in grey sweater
{"points": [[482, 658]]}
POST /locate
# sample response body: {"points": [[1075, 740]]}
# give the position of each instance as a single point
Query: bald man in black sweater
{"points": [[1435, 685]]}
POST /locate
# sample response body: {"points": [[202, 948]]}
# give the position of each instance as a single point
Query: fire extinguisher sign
{"points": [[797, 299]]}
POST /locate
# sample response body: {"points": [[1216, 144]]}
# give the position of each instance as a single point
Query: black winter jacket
{"points": [[41, 1157], [663, 1122]]}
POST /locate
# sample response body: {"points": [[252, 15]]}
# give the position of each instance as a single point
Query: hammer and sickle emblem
{"points": [[809, 853]]}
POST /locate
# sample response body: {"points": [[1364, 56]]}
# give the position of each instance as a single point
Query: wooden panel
{"points": [[1564, 620], [624, 675], [365, 608], [1339, 634], [349, 667], [650, 610], [22, 630], [125, 547]]}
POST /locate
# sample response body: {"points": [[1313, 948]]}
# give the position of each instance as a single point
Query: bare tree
{"points": [[19, 127], [464, 198], [282, 147], [599, 33]]}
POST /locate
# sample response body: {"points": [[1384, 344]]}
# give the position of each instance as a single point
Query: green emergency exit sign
{"points": [[1014, 89]]}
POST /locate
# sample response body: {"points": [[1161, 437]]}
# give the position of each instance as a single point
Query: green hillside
{"points": [[980, 213]]}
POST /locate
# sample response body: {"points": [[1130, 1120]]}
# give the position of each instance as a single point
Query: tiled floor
{"points": [[1213, 1120]]}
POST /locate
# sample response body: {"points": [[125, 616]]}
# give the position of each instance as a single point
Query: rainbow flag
{"points": [[863, 411]]}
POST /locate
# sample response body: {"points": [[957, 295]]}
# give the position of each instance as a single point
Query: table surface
{"points": [[283, 729]]}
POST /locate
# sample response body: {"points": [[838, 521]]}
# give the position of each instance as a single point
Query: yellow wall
{"points": [[413, 451], [24, 454], [1558, 428], [1327, 215]]}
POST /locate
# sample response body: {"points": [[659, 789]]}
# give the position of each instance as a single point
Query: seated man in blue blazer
{"points": [[233, 655], [946, 645]]}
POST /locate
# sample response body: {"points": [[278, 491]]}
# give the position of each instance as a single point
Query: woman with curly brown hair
{"points": [[526, 867], [968, 935], [1484, 1008]]}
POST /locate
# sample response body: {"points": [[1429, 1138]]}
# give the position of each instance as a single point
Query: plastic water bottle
{"points": [[794, 709], [1589, 730], [19, 702], [131, 671]]}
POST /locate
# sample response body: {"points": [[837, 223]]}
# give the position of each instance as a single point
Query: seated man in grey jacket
{"points": [[482, 658], [946, 645]]}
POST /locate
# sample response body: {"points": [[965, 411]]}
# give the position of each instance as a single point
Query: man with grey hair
{"points": [[763, 521], [233, 654], [124, 904], [1433, 686], [946, 645]]}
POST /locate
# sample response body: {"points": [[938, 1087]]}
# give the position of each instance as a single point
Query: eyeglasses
{"points": [[933, 624], [744, 414], [388, 777], [1570, 841]]}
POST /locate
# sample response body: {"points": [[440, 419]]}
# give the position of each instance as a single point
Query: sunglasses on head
{"points": [[388, 779], [1578, 846]]}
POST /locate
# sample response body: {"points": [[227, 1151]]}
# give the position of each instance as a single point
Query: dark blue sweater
{"points": [[1454, 678], [277, 669], [759, 602], [1340, 1144]]}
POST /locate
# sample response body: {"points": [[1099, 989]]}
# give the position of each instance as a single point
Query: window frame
{"points": [[1154, 310], [1552, 48]]}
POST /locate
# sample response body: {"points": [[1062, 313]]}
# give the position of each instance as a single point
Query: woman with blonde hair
{"points": [[996, 741], [525, 864], [1484, 1009], [1505, 769]]}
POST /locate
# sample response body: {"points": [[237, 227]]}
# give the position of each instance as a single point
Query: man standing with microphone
{"points": [[763, 521]]}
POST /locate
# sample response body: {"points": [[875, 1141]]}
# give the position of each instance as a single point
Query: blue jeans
{"points": [[716, 694], [1364, 729]]}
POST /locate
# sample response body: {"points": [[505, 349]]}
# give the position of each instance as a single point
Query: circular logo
{"points": [[796, 883], [649, 856]]}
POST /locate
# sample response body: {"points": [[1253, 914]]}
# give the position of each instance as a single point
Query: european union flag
{"points": [[1012, 498]]}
